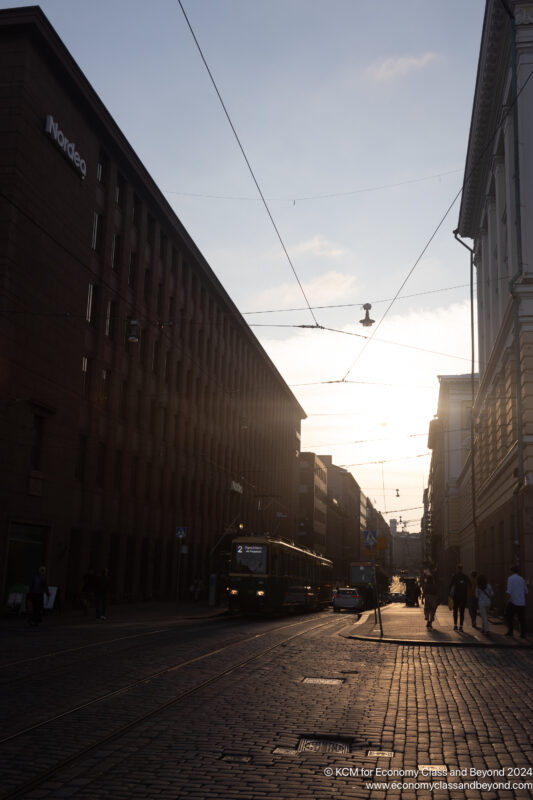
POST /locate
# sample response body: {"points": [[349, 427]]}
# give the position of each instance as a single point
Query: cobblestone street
{"points": [[290, 708]]}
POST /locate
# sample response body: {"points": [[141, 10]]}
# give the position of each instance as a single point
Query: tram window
{"points": [[250, 558]]}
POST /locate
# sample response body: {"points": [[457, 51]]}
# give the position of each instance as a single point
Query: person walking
{"points": [[484, 595], [516, 602], [471, 598], [430, 599], [37, 589], [458, 591]]}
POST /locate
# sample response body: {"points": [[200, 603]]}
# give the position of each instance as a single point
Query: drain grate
{"points": [[325, 681], [315, 745]]}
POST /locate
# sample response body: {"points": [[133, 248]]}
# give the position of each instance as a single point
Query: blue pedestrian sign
{"points": [[370, 538], [181, 533]]}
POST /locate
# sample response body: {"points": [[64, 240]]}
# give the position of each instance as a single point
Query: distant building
{"points": [[343, 519], [407, 553], [135, 399], [313, 498], [451, 539], [496, 213]]}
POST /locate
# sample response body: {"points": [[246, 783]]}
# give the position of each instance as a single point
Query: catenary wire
{"points": [[265, 204], [424, 249], [317, 196]]}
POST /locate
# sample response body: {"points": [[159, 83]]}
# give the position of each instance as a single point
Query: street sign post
{"points": [[371, 540]]}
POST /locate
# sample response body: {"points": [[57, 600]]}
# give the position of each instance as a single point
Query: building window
{"points": [[96, 238], [134, 474], [106, 375], [175, 261], [110, 319], [136, 214], [132, 270], [124, 400], [143, 338], [155, 357], [102, 168], [162, 247], [120, 191], [115, 252], [147, 487], [37, 438], [150, 232], [147, 284], [89, 312], [86, 376], [153, 416], [118, 470]]}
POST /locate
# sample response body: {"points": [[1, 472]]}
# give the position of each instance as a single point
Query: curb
{"points": [[426, 643]]}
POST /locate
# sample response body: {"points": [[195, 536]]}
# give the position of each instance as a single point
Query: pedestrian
{"points": [[484, 595], [516, 595], [88, 586], [37, 589], [471, 598], [430, 599], [196, 589], [458, 592], [101, 590]]}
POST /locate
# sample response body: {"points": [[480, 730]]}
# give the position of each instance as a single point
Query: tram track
{"points": [[185, 632], [80, 650], [61, 764]]}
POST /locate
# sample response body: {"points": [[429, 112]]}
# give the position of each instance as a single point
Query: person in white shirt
{"points": [[484, 595], [516, 602]]}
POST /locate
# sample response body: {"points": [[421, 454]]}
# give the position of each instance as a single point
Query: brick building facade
{"points": [[134, 397]]}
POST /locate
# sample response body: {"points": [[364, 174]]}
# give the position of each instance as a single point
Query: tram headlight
{"points": [[234, 592], [260, 593]]}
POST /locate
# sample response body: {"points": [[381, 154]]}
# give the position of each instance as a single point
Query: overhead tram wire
{"points": [[465, 181], [265, 204], [357, 305], [332, 195], [359, 336], [424, 249]]}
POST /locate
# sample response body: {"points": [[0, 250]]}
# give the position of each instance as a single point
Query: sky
{"points": [[354, 117]]}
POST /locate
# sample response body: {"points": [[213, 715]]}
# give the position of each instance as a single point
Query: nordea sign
{"points": [[68, 147]]}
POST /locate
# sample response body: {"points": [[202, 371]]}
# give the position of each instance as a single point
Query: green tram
{"points": [[274, 575]]}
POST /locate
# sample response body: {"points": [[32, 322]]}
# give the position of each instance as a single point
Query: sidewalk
{"points": [[403, 625], [122, 613]]}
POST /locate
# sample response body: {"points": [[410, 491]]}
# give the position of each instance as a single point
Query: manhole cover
{"points": [[325, 681], [236, 758], [311, 745]]}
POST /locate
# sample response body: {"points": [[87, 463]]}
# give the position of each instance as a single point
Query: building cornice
{"points": [[491, 75]]}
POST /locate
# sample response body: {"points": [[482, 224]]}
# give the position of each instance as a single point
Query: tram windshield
{"points": [[249, 558]]}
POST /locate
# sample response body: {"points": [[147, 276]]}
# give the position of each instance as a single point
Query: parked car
{"points": [[396, 597], [349, 599]]}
